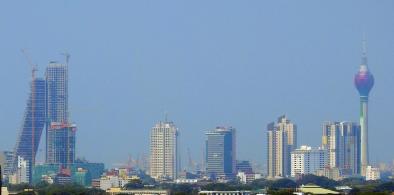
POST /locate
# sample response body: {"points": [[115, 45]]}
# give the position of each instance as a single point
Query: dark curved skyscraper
{"points": [[364, 82], [32, 125]]}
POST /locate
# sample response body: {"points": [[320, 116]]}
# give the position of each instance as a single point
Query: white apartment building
{"points": [[164, 163], [372, 173], [22, 173], [308, 160]]}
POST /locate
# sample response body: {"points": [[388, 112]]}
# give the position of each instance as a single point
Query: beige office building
{"points": [[281, 140]]}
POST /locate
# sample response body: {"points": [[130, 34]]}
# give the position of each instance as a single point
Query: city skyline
{"points": [[113, 95]]}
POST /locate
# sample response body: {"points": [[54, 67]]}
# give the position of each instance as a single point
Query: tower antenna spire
{"points": [[364, 50]]}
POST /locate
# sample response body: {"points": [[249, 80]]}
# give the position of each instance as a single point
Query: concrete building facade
{"points": [[164, 162], [281, 141]]}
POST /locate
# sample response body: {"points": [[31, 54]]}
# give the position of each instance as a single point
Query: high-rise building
{"points": [[221, 153], [8, 161], [32, 125], [57, 93], [60, 134], [61, 144], [22, 171], [364, 81], [308, 160], [342, 141], [164, 159], [281, 141]]}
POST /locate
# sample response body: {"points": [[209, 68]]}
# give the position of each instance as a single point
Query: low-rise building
{"points": [[372, 173], [114, 191], [62, 178], [81, 177], [314, 189], [225, 192], [331, 173], [4, 191], [113, 181], [248, 177], [190, 181]]}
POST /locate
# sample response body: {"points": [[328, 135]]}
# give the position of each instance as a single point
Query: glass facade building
{"points": [[32, 125], [61, 144], [221, 153], [60, 134]]}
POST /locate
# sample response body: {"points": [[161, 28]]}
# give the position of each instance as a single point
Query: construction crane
{"points": [[67, 56], [190, 161], [33, 94]]}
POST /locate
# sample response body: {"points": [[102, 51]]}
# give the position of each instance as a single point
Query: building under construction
{"points": [[60, 135], [32, 124], [47, 106], [61, 144]]}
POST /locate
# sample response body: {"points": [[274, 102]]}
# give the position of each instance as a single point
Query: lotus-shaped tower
{"points": [[364, 82]]}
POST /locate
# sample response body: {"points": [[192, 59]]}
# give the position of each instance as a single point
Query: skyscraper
{"points": [[164, 159], [342, 140], [221, 153], [32, 126], [60, 134], [281, 141], [57, 93], [364, 82]]}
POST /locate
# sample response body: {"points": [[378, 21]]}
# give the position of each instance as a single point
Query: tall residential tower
{"points": [[282, 140], [342, 141], [364, 82], [164, 159]]}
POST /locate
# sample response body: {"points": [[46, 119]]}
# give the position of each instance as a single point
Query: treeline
{"points": [[280, 186], [44, 188]]}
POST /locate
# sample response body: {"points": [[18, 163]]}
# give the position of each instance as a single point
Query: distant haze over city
{"points": [[203, 64]]}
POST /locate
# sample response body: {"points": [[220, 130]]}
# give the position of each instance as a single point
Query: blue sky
{"points": [[206, 63]]}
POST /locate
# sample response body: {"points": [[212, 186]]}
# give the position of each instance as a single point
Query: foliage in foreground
{"points": [[280, 186]]}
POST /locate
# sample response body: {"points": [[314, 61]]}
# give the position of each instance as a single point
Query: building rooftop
{"points": [[315, 189]]}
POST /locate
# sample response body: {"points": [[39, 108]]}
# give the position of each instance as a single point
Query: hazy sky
{"points": [[206, 63]]}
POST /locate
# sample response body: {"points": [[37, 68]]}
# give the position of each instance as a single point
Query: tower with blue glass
{"points": [[221, 153], [32, 125]]}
